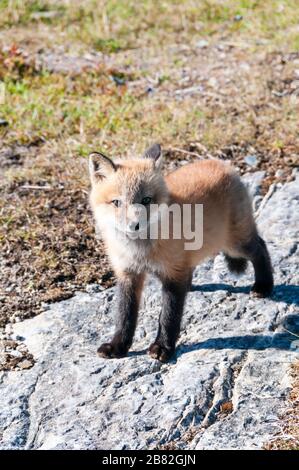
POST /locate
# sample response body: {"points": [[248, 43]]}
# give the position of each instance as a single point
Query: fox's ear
{"points": [[154, 153], [100, 166]]}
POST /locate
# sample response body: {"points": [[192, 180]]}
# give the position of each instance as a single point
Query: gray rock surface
{"points": [[225, 389]]}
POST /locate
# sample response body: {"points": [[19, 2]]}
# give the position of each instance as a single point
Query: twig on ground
{"points": [[186, 152], [32, 186], [290, 332], [265, 199]]}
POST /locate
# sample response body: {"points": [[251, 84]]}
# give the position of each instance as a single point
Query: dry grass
{"points": [[112, 25], [288, 437]]}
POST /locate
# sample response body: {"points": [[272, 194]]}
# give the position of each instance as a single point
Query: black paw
{"points": [[112, 350], [262, 289], [159, 352]]}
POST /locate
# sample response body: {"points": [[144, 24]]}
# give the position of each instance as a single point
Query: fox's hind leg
{"points": [[255, 251]]}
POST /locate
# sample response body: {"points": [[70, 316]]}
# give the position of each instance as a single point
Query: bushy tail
{"points": [[236, 265]]}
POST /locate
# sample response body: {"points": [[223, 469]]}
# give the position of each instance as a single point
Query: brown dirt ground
{"points": [[48, 243]]}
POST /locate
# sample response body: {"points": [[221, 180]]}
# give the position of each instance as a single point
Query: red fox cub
{"points": [[126, 199]]}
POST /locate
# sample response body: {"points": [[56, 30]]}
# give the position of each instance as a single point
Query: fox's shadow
{"points": [[282, 292], [287, 340], [283, 340]]}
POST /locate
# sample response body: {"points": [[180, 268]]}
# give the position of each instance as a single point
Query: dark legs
{"points": [[129, 292], [257, 253], [173, 296]]}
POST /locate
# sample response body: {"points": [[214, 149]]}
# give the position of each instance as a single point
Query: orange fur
{"points": [[227, 214]]}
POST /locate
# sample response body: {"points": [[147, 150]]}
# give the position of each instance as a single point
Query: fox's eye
{"points": [[116, 202], [146, 200]]}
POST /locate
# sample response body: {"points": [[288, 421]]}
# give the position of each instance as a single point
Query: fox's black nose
{"points": [[134, 226]]}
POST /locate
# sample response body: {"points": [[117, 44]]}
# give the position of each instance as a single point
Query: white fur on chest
{"points": [[126, 254], [132, 255]]}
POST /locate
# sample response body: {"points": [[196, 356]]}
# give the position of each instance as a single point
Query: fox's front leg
{"points": [[129, 293], [173, 296]]}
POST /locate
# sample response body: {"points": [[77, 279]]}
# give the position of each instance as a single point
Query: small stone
{"points": [[45, 306], [213, 82], [202, 44], [25, 364], [118, 80], [150, 89], [9, 288], [251, 160], [17, 338], [92, 288], [15, 353], [8, 328]]}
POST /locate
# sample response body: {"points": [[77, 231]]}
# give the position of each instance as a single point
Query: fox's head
{"points": [[126, 193]]}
